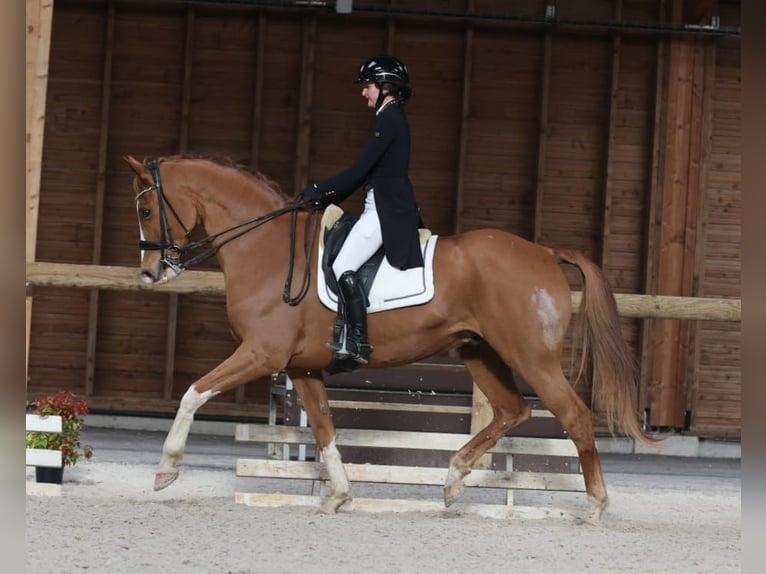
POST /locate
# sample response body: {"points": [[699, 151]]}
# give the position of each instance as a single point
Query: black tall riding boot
{"points": [[355, 305], [338, 328]]}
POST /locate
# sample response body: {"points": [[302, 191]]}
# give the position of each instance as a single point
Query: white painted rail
{"points": [[43, 457]]}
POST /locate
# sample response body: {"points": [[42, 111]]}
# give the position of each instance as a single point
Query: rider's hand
{"points": [[313, 198]]}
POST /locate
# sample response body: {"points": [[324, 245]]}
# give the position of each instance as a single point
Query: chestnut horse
{"points": [[501, 301]]}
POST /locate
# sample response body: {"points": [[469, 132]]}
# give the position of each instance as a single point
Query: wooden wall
{"points": [[554, 134]]}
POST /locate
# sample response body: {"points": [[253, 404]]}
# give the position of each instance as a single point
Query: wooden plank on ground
{"points": [[269, 500], [43, 489], [403, 439], [413, 475], [403, 407]]}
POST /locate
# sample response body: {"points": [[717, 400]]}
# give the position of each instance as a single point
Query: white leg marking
{"points": [[340, 489], [550, 318], [335, 470], [173, 449]]}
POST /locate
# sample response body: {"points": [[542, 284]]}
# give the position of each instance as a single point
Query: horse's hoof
{"points": [[593, 517], [331, 505], [451, 495], [453, 486], [165, 479], [326, 508]]}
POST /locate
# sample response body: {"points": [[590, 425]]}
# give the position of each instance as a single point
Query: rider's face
{"points": [[370, 92]]}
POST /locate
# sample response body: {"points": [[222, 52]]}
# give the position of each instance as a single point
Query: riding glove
{"points": [[311, 195]]}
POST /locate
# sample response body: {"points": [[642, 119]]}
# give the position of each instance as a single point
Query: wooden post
{"points": [[390, 35], [255, 148], [98, 221], [39, 21], [465, 109], [611, 139], [678, 225], [481, 410], [305, 101], [706, 143], [545, 82], [653, 217], [183, 145]]}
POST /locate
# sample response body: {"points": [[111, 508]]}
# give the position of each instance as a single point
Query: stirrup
{"points": [[362, 353], [339, 346]]}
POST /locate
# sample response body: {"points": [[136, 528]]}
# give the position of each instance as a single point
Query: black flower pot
{"points": [[50, 475]]}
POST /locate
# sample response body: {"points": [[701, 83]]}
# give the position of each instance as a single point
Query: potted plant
{"points": [[71, 410]]}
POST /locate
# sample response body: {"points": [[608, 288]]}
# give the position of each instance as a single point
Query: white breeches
{"points": [[364, 239]]}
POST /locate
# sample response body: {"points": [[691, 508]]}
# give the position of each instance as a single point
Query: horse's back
{"points": [[482, 248], [498, 264]]}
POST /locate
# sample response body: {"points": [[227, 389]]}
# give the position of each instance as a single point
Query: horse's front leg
{"points": [[238, 369], [312, 392]]}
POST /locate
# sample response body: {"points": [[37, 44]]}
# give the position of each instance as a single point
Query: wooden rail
{"points": [[211, 283], [507, 479]]}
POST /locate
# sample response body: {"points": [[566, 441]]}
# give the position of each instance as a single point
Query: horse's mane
{"points": [[229, 162]]}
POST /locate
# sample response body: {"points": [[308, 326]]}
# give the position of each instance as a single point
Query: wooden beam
{"points": [[39, 22], [677, 232], [305, 102], [545, 82], [611, 138], [653, 216], [381, 438], [457, 224], [255, 145], [171, 336], [255, 132], [183, 135], [212, 283], [98, 218], [481, 410], [390, 35], [698, 288]]}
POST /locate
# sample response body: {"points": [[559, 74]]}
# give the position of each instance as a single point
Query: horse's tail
{"points": [[605, 353]]}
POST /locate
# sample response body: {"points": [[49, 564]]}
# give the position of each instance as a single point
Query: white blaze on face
{"points": [[140, 227], [142, 238], [550, 318]]}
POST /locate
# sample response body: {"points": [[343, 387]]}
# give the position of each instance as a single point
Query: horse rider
{"points": [[391, 216]]}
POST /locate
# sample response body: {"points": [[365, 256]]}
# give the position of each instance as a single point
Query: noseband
{"points": [[170, 252]]}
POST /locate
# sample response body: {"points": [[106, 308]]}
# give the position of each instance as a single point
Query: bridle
{"points": [[174, 256]]}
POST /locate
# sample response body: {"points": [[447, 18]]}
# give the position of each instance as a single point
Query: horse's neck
{"points": [[227, 199]]}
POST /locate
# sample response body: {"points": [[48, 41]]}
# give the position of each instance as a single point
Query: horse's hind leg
{"points": [[509, 409], [312, 392], [238, 369], [558, 395]]}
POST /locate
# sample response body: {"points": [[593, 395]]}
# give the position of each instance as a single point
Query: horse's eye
{"points": [[145, 213]]}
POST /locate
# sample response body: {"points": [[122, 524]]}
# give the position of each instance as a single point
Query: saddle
{"points": [[384, 286], [333, 238]]}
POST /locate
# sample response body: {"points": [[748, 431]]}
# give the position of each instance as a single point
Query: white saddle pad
{"points": [[392, 288]]}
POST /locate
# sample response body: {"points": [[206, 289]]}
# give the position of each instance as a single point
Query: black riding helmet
{"points": [[386, 70]]}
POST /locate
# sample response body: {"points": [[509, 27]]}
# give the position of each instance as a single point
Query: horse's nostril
{"points": [[147, 277]]}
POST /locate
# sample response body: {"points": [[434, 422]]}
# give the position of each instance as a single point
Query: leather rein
{"points": [[172, 255]]}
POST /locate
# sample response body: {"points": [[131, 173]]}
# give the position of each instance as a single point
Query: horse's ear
{"points": [[138, 167]]}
